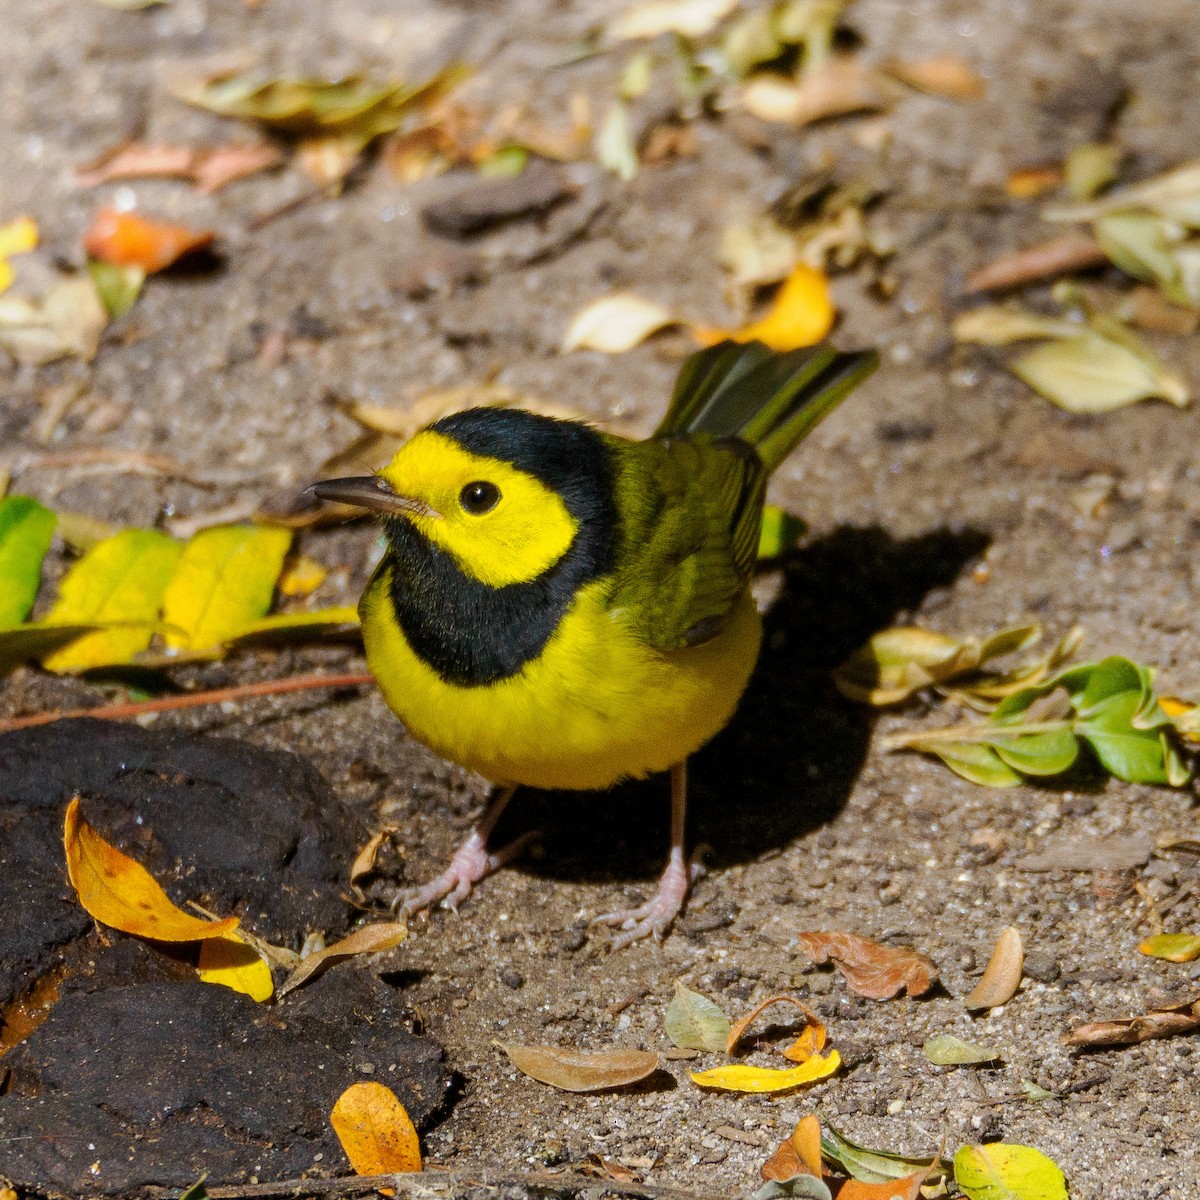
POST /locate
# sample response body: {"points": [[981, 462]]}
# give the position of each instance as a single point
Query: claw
{"points": [[657, 915]]}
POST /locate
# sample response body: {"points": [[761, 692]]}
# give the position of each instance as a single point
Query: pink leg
{"points": [[656, 916], [471, 862]]}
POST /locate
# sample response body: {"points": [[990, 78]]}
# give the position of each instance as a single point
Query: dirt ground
{"points": [[942, 492]]}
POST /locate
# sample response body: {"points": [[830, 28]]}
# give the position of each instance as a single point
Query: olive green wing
{"points": [[691, 510]]}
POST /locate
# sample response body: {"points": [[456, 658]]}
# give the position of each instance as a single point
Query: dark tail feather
{"points": [[770, 399]]}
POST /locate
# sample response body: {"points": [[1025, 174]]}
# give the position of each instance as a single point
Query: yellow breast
{"points": [[595, 707]]}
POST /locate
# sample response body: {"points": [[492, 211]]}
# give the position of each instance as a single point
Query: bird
{"points": [[559, 607]]}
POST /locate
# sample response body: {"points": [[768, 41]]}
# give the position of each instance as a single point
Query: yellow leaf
{"points": [[121, 893], [801, 315], [18, 236], [614, 324], [119, 582], [302, 576], [232, 963], [1174, 947], [738, 1078], [223, 583], [375, 1130], [1002, 1172]]}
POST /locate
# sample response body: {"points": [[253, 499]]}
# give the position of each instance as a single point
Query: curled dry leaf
{"points": [[907, 1187], [799, 1154], [948, 76], [803, 1048], [581, 1070], [801, 314], [870, 968], [694, 1022], [234, 963], [614, 324], [123, 239], [767, 1080], [841, 87], [364, 860], [375, 1130], [1158, 1023], [1174, 947], [1002, 976], [367, 939], [1003, 324], [875, 1166], [1046, 260], [121, 893], [1003, 1172]]}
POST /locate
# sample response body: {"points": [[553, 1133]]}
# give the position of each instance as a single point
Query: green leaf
{"points": [[1093, 374], [1002, 1172], [1174, 947], [118, 287], [779, 533], [694, 1022], [871, 1166], [223, 584], [1035, 1092], [25, 532], [504, 163], [1090, 168], [119, 585], [1038, 753], [974, 761], [1135, 755], [24, 643], [946, 1050]]}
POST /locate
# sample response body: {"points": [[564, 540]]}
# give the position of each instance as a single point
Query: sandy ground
{"points": [[942, 492]]}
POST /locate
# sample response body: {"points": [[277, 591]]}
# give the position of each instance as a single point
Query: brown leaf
{"points": [[798, 1155], [1070, 252], [364, 860], [367, 939], [217, 168], [837, 89], [947, 75], [871, 969], [1162, 1023], [581, 1070], [1002, 976], [809, 1043], [137, 160]]}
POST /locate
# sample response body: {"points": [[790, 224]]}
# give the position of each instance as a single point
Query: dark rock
{"points": [[1042, 967], [481, 205], [157, 1084]]}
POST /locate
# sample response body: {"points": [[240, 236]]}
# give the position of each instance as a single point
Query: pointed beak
{"points": [[371, 492]]}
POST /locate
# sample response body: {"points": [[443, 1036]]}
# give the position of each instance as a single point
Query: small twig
{"points": [[245, 691], [455, 1182]]}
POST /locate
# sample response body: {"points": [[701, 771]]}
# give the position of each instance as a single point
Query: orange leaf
{"points": [[375, 1130], [127, 240], [804, 1047], [800, 315], [908, 1188], [799, 1154], [122, 894], [871, 969]]}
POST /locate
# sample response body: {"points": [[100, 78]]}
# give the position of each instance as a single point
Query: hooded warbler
{"points": [[558, 607]]}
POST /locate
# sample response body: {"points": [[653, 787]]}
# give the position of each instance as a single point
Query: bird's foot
{"points": [[472, 862], [658, 914]]}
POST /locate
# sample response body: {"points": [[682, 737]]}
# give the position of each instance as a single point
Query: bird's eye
{"points": [[479, 497]]}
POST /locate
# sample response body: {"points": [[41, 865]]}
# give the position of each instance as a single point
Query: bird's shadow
{"points": [[787, 762]]}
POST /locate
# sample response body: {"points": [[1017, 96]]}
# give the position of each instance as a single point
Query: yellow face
{"points": [[502, 525]]}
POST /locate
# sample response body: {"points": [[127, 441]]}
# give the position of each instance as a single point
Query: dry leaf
{"points": [[223, 165], [1159, 1023], [614, 324], [1027, 183], [803, 1048], [121, 893], [1174, 947], [1003, 324], [137, 160], [581, 1070], [67, 320], [871, 969], [946, 1050], [234, 963], [801, 314], [364, 860], [615, 147], [906, 1188], [367, 939], [691, 18], [1060, 255], [947, 76], [841, 87], [1090, 168], [694, 1022], [123, 239], [799, 1154], [375, 1130], [763, 1080], [1003, 974]]}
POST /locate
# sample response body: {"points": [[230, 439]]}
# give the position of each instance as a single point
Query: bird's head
{"points": [[503, 491]]}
